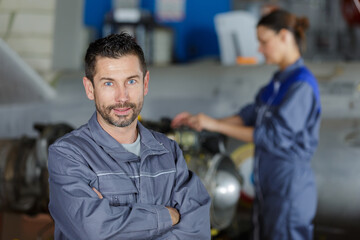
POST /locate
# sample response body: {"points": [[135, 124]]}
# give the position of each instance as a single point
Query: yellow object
{"points": [[214, 232], [242, 153], [187, 158]]}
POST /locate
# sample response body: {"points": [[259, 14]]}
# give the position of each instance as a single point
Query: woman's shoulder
{"points": [[303, 73]]}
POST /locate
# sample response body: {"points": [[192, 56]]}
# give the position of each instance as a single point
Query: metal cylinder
{"points": [[223, 183], [20, 174], [23, 170]]}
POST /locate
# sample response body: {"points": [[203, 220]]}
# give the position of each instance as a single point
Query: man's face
{"points": [[118, 90]]}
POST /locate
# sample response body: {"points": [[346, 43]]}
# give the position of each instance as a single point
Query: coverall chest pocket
{"points": [[119, 189]]}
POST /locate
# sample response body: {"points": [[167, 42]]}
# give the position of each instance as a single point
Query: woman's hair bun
{"points": [[302, 23]]}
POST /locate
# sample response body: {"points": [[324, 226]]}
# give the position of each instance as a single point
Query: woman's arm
{"points": [[232, 126]]}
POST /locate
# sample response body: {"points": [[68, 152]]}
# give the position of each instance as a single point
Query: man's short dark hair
{"points": [[112, 46]]}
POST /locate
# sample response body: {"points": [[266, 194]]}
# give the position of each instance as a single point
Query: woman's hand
{"points": [[201, 122], [198, 122], [180, 119]]}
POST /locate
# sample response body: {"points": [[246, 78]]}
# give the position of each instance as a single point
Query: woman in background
{"points": [[283, 123]]}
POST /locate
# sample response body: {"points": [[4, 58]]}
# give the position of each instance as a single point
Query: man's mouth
{"points": [[122, 111]]}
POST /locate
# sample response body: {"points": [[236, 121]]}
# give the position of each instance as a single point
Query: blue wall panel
{"points": [[94, 13], [195, 35]]}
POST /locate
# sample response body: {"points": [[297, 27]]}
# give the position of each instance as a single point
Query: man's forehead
{"points": [[133, 60], [120, 57], [109, 67]]}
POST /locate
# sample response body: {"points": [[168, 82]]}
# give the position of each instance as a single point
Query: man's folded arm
{"points": [[192, 200], [81, 214]]}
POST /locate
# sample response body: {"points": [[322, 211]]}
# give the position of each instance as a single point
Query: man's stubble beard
{"points": [[119, 121]]}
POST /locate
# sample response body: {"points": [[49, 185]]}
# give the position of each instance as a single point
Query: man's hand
{"points": [[98, 193], [175, 216]]}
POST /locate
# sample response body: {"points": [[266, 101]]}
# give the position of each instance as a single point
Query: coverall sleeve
{"points": [[192, 200], [281, 130], [80, 214], [248, 114]]}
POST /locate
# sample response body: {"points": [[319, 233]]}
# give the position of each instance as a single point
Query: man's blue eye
{"points": [[108, 84], [131, 81]]}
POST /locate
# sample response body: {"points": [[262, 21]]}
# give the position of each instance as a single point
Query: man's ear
{"points": [[89, 88], [146, 83]]}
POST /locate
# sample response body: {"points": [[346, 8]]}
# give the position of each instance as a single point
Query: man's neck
{"points": [[124, 135]]}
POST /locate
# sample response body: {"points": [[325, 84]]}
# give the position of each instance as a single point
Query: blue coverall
{"points": [[135, 189], [286, 120]]}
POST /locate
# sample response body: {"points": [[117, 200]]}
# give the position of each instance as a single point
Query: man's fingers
{"points": [[175, 216], [98, 193]]}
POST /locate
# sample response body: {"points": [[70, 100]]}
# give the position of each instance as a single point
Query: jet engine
{"points": [[205, 154], [23, 170]]}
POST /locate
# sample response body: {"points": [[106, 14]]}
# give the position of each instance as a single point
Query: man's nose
{"points": [[122, 94]]}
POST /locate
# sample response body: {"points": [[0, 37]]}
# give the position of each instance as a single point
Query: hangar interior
{"points": [[195, 66]]}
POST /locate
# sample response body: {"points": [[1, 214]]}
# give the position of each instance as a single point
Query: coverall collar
{"points": [[281, 76], [116, 150]]}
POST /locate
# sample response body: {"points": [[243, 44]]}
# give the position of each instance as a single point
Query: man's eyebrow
{"points": [[106, 79], [133, 76], [112, 79]]}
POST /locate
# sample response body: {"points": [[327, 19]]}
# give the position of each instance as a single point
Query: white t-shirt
{"points": [[133, 147]]}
